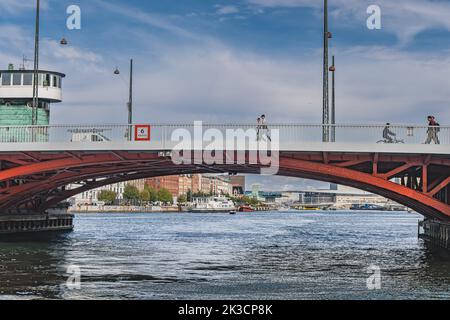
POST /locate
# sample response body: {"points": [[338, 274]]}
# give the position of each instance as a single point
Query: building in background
{"points": [[238, 185], [276, 197], [217, 185], [170, 183], [341, 197], [255, 190], [139, 184], [91, 196], [179, 185]]}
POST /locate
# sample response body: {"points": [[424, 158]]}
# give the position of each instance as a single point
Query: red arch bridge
{"points": [[37, 163]]}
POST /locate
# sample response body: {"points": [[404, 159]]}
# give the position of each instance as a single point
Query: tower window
{"points": [[27, 79], [6, 79], [17, 79], [46, 80], [55, 81]]}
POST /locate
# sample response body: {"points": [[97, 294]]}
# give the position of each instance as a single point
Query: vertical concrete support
{"points": [[436, 232]]}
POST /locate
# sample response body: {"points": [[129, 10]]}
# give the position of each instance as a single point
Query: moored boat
{"points": [[245, 208], [212, 205]]}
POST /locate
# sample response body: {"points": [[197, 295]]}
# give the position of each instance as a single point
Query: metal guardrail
{"points": [[288, 133]]}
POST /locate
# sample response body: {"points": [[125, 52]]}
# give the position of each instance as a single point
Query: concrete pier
{"points": [[435, 232], [30, 223]]}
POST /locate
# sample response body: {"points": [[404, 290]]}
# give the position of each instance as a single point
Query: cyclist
{"points": [[388, 135]]}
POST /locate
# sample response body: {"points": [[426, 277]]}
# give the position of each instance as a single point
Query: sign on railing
{"points": [[141, 132]]}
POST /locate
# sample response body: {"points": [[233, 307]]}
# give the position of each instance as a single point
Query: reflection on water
{"points": [[314, 255]]}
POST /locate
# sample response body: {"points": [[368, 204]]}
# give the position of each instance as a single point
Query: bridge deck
{"points": [[418, 149]]}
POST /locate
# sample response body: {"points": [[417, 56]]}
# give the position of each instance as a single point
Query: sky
{"points": [[230, 61]]}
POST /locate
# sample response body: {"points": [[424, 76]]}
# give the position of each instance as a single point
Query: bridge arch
{"points": [[35, 180]]}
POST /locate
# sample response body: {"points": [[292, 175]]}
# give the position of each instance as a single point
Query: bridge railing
{"points": [[162, 133]]}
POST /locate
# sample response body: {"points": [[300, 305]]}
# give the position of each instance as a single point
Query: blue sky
{"points": [[233, 60], [229, 60]]}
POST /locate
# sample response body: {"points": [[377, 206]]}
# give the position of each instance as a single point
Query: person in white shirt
{"points": [[264, 127], [258, 129]]}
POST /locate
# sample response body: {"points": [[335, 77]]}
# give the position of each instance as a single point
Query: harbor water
{"points": [[259, 255]]}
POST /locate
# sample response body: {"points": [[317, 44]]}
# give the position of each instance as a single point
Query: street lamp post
{"points": [[130, 99], [325, 108], [36, 68], [333, 100]]}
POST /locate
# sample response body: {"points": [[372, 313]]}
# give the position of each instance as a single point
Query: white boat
{"points": [[213, 204]]}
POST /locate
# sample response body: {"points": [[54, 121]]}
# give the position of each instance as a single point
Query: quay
{"points": [[436, 232], [124, 209], [35, 223]]}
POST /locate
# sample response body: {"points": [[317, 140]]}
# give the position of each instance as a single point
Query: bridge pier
{"points": [[435, 232], [52, 221]]}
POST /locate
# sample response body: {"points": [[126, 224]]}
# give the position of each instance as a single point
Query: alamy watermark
{"points": [[258, 146], [73, 22], [74, 280], [374, 20], [374, 280]]}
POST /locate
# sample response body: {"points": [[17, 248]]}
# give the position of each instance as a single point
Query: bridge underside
{"points": [[35, 181]]}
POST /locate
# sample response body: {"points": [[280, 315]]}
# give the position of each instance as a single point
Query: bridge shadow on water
{"points": [[435, 253], [33, 266], [41, 237]]}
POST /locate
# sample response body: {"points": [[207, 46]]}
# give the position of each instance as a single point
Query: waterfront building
{"points": [[341, 198], [139, 184], [196, 183], [288, 197], [238, 185], [170, 183], [90, 197], [217, 184], [276, 197], [177, 185], [255, 190]]}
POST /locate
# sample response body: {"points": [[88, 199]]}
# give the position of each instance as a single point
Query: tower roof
{"points": [[17, 85], [62, 75]]}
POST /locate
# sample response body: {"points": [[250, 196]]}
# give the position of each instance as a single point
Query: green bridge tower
{"points": [[16, 101]]}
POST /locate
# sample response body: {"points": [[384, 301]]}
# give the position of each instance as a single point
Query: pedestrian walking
{"points": [[433, 130], [258, 129], [265, 128]]}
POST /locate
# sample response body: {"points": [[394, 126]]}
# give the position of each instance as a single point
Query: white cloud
{"points": [[14, 37], [224, 10], [68, 53], [15, 6], [404, 18], [213, 84], [146, 18], [221, 84]]}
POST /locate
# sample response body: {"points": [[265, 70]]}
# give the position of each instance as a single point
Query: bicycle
{"points": [[394, 140]]}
